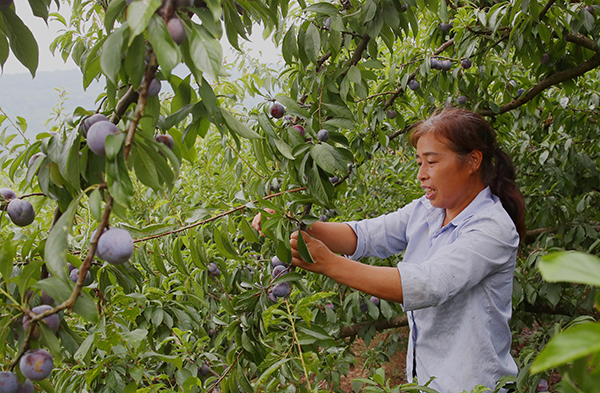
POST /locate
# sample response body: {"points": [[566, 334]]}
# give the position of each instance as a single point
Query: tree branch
{"points": [[544, 10], [360, 48], [554, 79], [532, 234], [582, 40], [351, 331]]}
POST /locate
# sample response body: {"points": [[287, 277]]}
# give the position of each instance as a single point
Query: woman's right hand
{"points": [[257, 218]]}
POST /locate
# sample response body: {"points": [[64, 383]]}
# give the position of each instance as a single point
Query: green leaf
{"points": [[119, 183], [323, 8], [267, 373], [135, 337], [167, 52], [206, 52], [158, 259], [40, 8], [21, 40], [284, 148], [27, 273], [84, 348], [145, 168], [303, 250], [312, 43], [224, 244], [580, 340], [289, 47], [115, 7], [328, 158], [96, 204], [3, 49], [111, 56], [7, 255], [248, 232], [139, 14], [570, 266], [134, 60], [238, 127], [57, 246], [316, 188]]}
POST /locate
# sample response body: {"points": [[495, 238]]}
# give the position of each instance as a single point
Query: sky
{"points": [[44, 34]]}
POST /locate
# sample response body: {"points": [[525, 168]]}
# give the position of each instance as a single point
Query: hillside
{"points": [[35, 99]]}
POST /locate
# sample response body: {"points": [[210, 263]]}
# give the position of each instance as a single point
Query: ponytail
{"points": [[465, 132], [502, 184]]}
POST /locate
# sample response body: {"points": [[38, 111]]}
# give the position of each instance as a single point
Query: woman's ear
{"points": [[475, 158]]}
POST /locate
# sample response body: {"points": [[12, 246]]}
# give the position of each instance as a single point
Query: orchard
{"points": [[127, 258]]}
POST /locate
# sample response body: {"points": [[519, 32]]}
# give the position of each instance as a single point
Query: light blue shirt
{"points": [[457, 287]]}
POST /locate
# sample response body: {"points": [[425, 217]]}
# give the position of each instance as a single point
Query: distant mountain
{"points": [[34, 99]]}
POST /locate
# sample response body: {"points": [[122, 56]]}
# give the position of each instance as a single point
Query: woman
{"points": [[460, 245]]}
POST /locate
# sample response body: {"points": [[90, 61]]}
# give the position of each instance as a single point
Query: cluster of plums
{"points": [[20, 211], [278, 111], [282, 289]]}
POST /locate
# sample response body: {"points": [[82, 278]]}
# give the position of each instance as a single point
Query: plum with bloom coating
{"points": [[8, 194], [27, 387], [413, 84], [323, 135], [21, 212], [275, 261], [52, 320], [74, 275], [90, 121], [9, 383], [96, 136], [115, 246], [300, 129], [213, 269], [282, 289], [176, 30], [36, 364], [165, 139]]}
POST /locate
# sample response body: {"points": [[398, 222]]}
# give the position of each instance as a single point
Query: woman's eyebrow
{"points": [[427, 153]]}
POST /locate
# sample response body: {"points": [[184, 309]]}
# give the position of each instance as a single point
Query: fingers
{"points": [[257, 220]]}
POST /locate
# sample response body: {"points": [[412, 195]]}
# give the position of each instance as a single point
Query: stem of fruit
{"points": [[291, 319]]}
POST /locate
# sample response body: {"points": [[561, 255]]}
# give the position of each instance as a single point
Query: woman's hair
{"points": [[464, 132]]}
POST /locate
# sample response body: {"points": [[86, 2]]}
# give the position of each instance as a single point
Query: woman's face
{"points": [[449, 183]]}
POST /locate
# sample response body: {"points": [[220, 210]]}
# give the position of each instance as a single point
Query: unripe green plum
{"points": [[176, 30], [27, 387], [9, 383], [5, 4], [115, 246], [52, 320], [21, 212], [36, 364], [7, 194], [96, 136]]}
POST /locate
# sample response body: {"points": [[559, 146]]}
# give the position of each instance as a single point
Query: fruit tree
{"points": [[150, 194]]}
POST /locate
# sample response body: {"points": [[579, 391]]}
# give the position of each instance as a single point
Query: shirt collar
{"points": [[482, 200]]}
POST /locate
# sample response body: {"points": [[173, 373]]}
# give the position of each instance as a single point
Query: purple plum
{"points": [[115, 246], [36, 364], [282, 289], [7, 194], [323, 135], [21, 212], [176, 30], [90, 121], [9, 383], [27, 387], [96, 136], [52, 320], [277, 110]]}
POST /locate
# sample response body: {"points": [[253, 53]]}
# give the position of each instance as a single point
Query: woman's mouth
{"points": [[429, 192]]}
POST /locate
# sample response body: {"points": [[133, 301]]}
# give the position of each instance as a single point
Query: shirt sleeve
{"points": [[483, 247], [382, 236]]}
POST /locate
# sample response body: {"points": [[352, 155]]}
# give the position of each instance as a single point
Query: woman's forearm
{"points": [[337, 236]]}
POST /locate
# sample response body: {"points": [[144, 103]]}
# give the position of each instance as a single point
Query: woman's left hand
{"points": [[318, 250]]}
